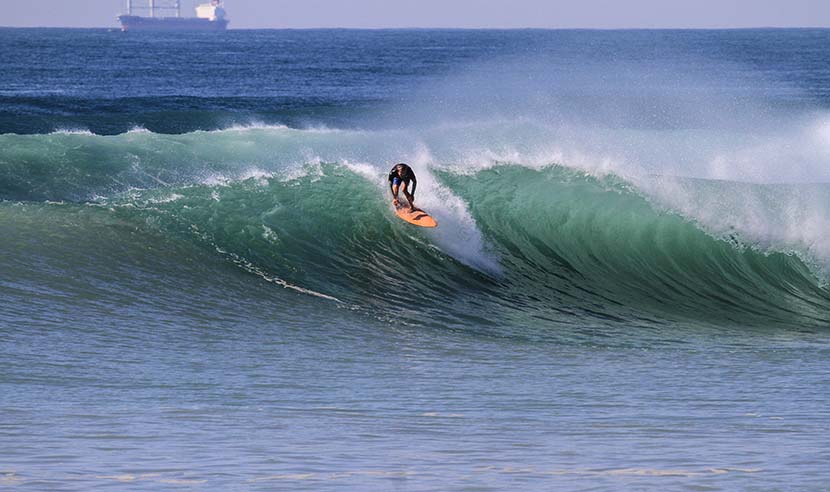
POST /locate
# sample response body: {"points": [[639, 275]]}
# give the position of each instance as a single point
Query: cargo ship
{"points": [[167, 16]]}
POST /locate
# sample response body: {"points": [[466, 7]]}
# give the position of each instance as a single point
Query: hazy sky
{"points": [[449, 13]]}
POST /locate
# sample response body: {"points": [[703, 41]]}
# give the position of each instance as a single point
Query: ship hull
{"points": [[137, 23]]}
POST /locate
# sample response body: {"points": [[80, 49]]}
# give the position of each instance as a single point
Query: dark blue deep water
{"points": [[203, 285]]}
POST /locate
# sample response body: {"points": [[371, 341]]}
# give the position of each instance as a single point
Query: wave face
{"points": [[520, 243]]}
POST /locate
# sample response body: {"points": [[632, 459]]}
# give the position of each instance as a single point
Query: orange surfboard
{"points": [[418, 217]]}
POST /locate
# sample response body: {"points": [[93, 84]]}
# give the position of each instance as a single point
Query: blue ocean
{"points": [[204, 286]]}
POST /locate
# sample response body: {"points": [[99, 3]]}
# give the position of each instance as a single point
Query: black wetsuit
{"points": [[408, 176]]}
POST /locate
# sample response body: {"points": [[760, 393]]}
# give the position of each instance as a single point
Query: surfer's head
{"points": [[400, 168]]}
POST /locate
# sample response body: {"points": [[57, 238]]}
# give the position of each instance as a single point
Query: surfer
{"points": [[401, 173]]}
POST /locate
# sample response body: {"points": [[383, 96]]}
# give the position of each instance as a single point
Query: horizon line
{"points": [[449, 28]]}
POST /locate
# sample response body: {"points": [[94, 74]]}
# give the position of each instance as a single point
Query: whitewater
{"points": [[204, 285]]}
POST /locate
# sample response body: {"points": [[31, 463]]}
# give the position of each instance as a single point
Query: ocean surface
{"points": [[203, 285]]}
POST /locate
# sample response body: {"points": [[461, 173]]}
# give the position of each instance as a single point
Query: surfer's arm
{"points": [[414, 185]]}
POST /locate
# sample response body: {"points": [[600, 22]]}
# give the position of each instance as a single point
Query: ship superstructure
{"points": [[166, 15]]}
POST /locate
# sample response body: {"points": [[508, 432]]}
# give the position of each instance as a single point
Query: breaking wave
{"points": [[521, 241]]}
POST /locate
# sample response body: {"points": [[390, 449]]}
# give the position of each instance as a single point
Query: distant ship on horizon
{"points": [[209, 16]]}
